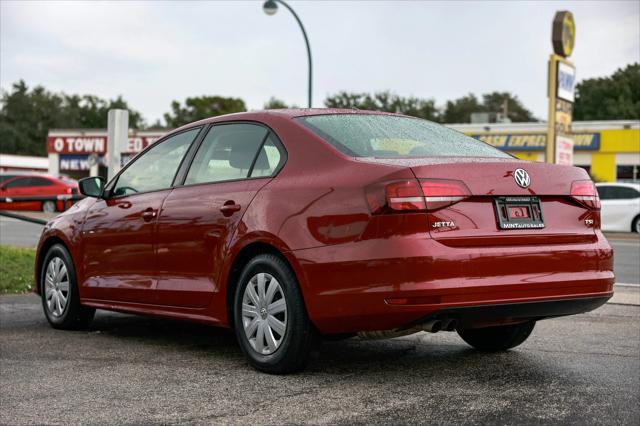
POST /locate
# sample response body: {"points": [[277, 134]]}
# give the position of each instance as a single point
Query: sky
{"points": [[154, 52]]}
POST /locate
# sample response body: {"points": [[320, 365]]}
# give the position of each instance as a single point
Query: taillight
{"points": [[585, 192], [413, 195], [439, 193], [404, 195]]}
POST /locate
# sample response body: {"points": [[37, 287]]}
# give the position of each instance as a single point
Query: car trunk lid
{"points": [[494, 191]]}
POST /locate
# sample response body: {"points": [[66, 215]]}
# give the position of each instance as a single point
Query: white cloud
{"points": [[155, 52]]}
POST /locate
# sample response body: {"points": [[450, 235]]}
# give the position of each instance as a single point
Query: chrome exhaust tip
{"points": [[432, 326]]}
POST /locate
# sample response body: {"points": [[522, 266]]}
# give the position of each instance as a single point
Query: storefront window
{"points": [[628, 172]]}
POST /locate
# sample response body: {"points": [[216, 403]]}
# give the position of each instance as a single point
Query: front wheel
{"points": [[635, 226], [270, 318], [499, 338], [59, 291]]}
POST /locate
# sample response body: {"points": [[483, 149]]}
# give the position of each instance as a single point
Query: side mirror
{"points": [[92, 186]]}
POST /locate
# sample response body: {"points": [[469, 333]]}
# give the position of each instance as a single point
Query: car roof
{"points": [[28, 174], [621, 184]]}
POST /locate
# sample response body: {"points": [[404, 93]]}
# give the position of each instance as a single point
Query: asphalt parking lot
{"points": [[127, 369]]}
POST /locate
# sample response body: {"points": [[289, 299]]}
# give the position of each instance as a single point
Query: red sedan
{"points": [[292, 225], [45, 192]]}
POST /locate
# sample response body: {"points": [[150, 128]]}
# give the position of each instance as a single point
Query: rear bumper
{"points": [[474, 316], [396, 282]]}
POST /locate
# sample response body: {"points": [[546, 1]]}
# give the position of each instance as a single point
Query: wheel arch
{"points": [[242, 257], [633, 222], [42, 253]]}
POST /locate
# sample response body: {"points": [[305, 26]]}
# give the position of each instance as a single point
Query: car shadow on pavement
{"points": [[164, 332], [416, 354]]}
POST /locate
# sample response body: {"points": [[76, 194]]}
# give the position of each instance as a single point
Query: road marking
{"points": [[627, 285]]}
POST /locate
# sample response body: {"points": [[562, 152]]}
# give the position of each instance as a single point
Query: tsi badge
{"points": [[588, 222]]}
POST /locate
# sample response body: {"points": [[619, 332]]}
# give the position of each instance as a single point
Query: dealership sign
{"points": [[95, 144], [566, 82], [80, 162], [537, 141]]}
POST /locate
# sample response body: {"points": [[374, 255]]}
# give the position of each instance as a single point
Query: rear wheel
{"points": [[635, 224], [48, 206], [59, 291], [498, 338], [270, 318]]}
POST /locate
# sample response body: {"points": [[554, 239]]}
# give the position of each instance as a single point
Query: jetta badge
{"points": [[522, 178]]}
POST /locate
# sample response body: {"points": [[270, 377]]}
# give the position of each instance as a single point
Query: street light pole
{"points": [[270, 7]]}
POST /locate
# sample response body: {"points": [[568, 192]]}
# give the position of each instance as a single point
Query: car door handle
{"points": [[148, 214], [229, 208]]}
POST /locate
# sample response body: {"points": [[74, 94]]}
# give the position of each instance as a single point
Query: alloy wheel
{"points": [[264, 313], [56, 286]]}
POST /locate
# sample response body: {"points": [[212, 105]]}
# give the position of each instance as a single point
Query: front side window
{"points": [[617, 193], [624, 193], [228, 153], [388, 136], [37, 181], [156, 168]]}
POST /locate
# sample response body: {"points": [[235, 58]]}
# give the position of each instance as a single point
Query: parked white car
{"points": [[620, 206]]}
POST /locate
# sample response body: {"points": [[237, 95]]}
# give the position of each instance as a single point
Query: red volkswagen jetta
{"points": [[290, 225]]}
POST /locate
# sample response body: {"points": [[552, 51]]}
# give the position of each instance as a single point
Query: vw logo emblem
{"points": [[522, 178]]}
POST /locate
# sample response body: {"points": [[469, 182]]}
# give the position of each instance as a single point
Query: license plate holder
{"points": [[519, 212]]}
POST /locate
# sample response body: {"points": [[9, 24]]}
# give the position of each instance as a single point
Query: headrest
{"points": [[241, 155]]}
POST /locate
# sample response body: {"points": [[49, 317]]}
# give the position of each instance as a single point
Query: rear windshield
{"points": [[388, 136]]}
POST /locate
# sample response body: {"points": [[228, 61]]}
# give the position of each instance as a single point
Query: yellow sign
{"points": [[564, 33]]}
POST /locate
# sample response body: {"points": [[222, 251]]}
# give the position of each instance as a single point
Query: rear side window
{"points": [[19, 183], [269, 158], [229, 151], [387, 136]]}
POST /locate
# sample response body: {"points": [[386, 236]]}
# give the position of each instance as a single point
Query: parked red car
{"points": [[293, 224], [41, 187]]}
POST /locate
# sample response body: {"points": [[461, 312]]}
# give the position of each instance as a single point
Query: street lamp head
{"points": [[270, 7]]}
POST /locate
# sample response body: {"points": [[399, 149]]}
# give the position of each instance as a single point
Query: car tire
{"points": [[501, 338], [59, 292], [49, 206], [635, 224], [270, 318]]}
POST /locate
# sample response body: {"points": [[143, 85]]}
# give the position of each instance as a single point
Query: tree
{"points": [[610, 98], [27, 115], [460, 110], [385, 101], [275, 103], [198, 108], [495, 102]]}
